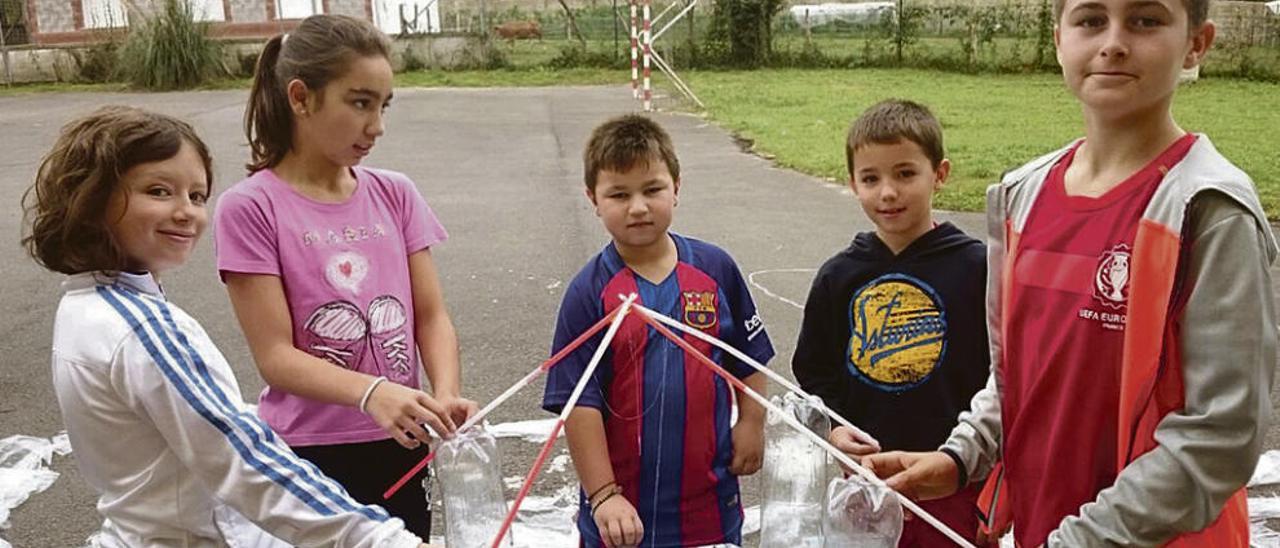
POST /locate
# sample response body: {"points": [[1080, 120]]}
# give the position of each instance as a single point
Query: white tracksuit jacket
{"points": [[160, 430]]}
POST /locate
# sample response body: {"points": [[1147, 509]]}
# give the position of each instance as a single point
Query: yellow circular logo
{"points": [[898, 332]]}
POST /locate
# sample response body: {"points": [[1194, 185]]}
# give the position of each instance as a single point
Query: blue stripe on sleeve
{"points": [[264, 438], [218, 418]]}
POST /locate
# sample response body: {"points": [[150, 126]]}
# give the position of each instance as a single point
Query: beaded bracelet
{"points": [[592, 496], [615, 491]]}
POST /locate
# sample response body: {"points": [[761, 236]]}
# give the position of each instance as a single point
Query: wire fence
{"points": [[960, 35], [953, 35]]}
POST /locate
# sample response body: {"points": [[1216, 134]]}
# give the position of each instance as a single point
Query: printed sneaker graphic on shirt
{"points": [[386, 333], [336, 332], [899, 332], [1111, 282], [341, 334]]}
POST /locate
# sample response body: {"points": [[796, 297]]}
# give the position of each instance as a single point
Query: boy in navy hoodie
{"points": [[894, 335]]}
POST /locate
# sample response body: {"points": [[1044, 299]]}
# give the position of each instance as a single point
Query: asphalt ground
{"points": [[502, 169]]}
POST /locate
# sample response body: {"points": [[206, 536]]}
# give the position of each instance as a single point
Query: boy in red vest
{"points": [[1130, 312]]}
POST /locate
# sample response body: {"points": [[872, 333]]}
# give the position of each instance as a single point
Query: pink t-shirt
{"points": [[345, 271]]}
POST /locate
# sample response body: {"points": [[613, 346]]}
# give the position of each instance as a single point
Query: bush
{"points": [[247, 64], [98, 62], [170, 50], [412, 61], [741, 33], [576, 56]]}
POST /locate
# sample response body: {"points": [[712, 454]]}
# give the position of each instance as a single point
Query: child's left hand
{"points": [[459, 409], [748, 447]]}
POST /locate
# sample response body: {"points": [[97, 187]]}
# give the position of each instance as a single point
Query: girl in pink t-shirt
{"points": [[329, 268]]}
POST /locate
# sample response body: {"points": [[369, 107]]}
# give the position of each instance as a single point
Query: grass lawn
{"points": [[991, 123], [526, 77]]}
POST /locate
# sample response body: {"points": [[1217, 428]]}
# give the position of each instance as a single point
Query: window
{"points": [[207, 10], [104, 14], [407, 16], [297, 9]]}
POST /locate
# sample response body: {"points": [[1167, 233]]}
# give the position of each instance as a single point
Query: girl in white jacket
{"points": [[154, 412]]}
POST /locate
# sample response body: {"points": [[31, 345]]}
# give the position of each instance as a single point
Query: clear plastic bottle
{"points": [[861, 514], [795, 476], [470, 475]]}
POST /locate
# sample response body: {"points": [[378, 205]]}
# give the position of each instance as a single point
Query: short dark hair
{"points": [[65, 208], [623, 143], [893, 121], [1197, 11]]}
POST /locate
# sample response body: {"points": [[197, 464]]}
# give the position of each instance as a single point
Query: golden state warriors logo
{"points": [[700, 309], [898, 332]]}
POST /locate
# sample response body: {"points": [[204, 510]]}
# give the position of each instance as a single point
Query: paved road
{"points": [[502, 168]]}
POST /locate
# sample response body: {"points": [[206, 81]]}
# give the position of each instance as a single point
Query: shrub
{"points": [[98, 62], [576, 56], [170, 50]]}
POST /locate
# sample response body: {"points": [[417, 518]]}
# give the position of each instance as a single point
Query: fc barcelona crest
{"points": [[700, 309]]}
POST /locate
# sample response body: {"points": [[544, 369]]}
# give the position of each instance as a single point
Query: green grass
{"points": [[991, 123], [531, 77]]}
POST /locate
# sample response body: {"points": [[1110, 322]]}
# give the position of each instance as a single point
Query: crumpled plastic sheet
{"points": [[533, 431], [751, 520], [548, 521], [24, 469], [1267, 471]]}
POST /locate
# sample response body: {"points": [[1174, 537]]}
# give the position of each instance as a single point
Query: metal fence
{"points": [[964, 35]]}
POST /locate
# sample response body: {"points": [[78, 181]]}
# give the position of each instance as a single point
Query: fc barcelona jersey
{"points": [[666, 415]]}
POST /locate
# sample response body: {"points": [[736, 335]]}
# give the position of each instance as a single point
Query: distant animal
{"points": [[513, 30]]}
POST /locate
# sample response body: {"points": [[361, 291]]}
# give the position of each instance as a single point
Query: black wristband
{"points": [[962, 471], [602, 501], [592, 496]]}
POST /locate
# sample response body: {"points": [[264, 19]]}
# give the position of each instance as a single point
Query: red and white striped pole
{"points": [[635, 53], [572, 402], [519, 385], [793, 423], [648, 50]]}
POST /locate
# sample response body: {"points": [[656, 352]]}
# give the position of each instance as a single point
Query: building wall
{"points": [[52, 15], [61, 22], [354, 8], [247, 10]]}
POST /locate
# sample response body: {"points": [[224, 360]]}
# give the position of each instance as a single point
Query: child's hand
{"points": [[618, 522], [850, 443], [402, 411], [459, 409], [748, 447], [922, 476]]}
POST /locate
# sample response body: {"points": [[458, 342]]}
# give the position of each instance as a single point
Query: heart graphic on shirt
{"points": [[346, 271]]}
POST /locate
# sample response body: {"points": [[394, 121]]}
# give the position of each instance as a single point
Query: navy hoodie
{"points": [[897, 344]]}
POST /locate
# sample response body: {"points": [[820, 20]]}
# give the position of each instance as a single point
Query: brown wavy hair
{"points": [[318, 51], [626, 142], [64, 211]]}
